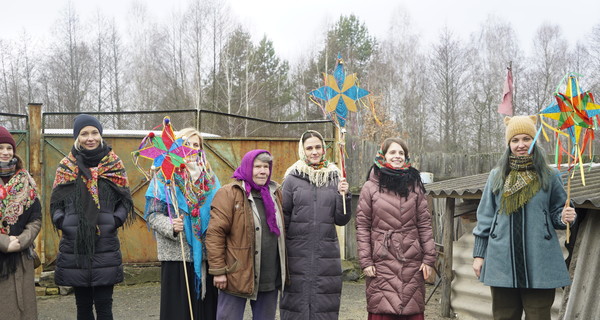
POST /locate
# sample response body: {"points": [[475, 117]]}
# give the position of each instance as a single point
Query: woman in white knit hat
{"points": [[517, 252]]}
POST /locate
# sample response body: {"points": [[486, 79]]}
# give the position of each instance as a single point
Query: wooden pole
{"points": [[187, 287], [35, 169], [567, 204], [338, 149], [340, 137], [568, 189], [447, 274]]}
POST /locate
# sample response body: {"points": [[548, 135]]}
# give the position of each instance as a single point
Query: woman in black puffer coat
{"points": [[90, 200], [313, 195]]}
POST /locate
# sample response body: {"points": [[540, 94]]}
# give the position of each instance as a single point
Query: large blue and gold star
{"points": [[340, 92]]}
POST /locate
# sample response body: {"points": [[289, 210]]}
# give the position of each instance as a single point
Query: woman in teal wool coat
{"points": [[517, 252]]}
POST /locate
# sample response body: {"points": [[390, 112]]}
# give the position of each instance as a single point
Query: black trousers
{"points": [[174, 298], [509, 303], [88, 297]]}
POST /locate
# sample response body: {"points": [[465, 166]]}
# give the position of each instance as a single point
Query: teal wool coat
{"points": [[543, 260]]}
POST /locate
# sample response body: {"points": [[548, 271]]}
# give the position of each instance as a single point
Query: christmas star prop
{"points": [[577, 115], [166, 152], [340, 92]]}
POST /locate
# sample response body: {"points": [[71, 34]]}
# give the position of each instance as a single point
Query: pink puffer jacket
{"points": [[394, 234]]}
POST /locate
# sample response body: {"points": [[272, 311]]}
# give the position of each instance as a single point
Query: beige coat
{"points": [[17, 293]]}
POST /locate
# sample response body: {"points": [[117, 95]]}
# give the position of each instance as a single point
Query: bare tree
{"points": [[173, 66], [448, 75], [398, 80], [494, 47], [13, 85], [147, 48], [196, 36], [221, 25], [580, 59], [101, 60], [70, 65], [547, 66], [115, 66], [29, 66], [593, 73]]}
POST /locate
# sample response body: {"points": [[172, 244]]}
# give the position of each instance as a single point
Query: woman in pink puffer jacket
{"points": [[395, 239]]}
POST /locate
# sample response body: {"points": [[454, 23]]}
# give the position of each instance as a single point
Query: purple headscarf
{"points": [[244, 173]]}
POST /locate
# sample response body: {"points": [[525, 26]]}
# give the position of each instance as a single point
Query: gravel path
{"points": [[143, 301]]}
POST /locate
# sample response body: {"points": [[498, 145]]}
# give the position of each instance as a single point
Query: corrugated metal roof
{"points": [[472, 187]]}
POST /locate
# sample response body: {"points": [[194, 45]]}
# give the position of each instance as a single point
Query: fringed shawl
{"points": [[320, 174]]}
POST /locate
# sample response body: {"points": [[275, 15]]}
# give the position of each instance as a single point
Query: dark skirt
{"points": [[173, 293]]}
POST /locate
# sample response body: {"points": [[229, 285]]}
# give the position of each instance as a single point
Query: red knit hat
{"points": [[6, 137]]}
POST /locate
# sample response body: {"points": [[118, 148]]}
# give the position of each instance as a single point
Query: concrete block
{"points": [[64, 290], [40, 291], [52, 291]]}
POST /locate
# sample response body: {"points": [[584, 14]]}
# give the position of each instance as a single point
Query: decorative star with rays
{"points": [[574, 110], [167, 153], [340, 92]]}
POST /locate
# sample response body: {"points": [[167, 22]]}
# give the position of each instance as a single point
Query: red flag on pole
{"points": [[506, 106]]}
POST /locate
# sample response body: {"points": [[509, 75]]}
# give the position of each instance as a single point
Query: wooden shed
{"points": [[465, 296]]}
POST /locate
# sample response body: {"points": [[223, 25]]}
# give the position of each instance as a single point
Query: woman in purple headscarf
{"points": [[245, 240]]}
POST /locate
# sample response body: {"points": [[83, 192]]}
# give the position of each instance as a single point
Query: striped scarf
{"points": [[8, 168], [521, 184]]}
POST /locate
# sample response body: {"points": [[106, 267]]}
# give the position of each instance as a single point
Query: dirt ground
{"points": [[143, 301]]}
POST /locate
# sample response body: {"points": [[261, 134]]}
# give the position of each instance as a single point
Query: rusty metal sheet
{"points": [[137, 242]]}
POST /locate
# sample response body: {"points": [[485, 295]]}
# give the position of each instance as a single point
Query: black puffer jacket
{"points": [[311, 215], [105, 267]]}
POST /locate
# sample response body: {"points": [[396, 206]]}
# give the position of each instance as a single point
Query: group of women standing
{"points": [[91, 199]]}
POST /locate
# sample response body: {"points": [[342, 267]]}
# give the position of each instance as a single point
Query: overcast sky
{"points": [[294, 26]]}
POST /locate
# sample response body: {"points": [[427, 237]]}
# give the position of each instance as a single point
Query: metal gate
{"points": [[137, 241]]}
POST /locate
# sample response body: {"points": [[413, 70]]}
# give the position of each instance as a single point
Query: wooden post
{"points": [[35, 167], [340, 229], [198, 119], [447, 273]]}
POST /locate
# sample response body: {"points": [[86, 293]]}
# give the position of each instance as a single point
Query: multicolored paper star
{"points": [[575, 111], [166, 152], [340, 92]]}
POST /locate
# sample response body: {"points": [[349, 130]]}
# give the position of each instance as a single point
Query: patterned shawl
{"points": [[71, 186], [16, 197], [319, 174], [194, 199]]}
